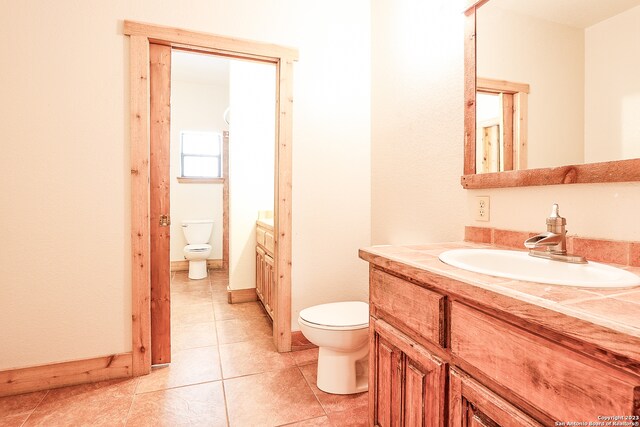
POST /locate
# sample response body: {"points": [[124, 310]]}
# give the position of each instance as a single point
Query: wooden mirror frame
{"points": [[614, 171]]}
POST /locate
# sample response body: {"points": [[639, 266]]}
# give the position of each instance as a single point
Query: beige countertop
{"points": [[607, 318], [266, 222]]}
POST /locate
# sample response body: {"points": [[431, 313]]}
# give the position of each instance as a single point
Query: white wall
{"points": [[612, 88], [417, 121], [550, 58], [606, 211], [64, 170], [251, 163], [417, 143], [195, 106]]}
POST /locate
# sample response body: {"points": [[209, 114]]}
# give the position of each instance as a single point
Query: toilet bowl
{"points": [[340, 330], [197, 233]]}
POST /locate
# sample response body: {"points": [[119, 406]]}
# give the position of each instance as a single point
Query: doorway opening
{"points": [[143, 38]]}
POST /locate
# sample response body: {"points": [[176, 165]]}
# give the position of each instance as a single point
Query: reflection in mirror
{"points": [[580, 61]]}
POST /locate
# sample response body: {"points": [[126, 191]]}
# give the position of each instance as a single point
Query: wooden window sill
{"points": [[182, 180]]}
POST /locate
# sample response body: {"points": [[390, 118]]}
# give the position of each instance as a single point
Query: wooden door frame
{"points": [[140, 36]]}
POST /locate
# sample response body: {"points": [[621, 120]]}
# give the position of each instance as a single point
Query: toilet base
{"points": [[197, 269], [343, 373]]}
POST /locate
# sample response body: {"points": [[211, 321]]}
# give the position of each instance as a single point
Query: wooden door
{"points": [[472, 405], [409, 381], [160, 112]]}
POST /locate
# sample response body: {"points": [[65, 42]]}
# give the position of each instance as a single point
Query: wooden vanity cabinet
{"points": [[431, 350], [409, 380], [265, 278]]}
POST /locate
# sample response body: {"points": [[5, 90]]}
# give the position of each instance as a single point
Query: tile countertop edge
{"points": [[620, 341], [266, 223]]}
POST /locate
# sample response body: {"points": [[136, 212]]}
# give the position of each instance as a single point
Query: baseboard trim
{"points": [[215, 264], [44, 377], [235, 296], [299, 342]]}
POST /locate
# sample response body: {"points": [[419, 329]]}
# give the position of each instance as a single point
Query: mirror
{"points": [[556, 85]]}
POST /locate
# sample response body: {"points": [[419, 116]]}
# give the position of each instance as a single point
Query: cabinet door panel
{"points": [[415, 392], [472, 405], [388, 362], [409, 381]]}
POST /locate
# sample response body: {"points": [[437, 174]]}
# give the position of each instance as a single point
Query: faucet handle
{"points": [[556, 223]]}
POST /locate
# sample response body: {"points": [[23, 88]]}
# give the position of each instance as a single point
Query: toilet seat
{"points": [[197, 248], [347, 315]]}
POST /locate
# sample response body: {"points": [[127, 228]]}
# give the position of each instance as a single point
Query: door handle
{"points": [[165, 220]]}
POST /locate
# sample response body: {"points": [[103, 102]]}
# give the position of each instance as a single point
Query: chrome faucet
{"points": [[553, 243]]}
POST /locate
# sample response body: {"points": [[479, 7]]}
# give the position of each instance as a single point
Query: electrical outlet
{"points": [[482, 208]]}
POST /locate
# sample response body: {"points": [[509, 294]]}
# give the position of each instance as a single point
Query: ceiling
{"points": [[575, 13], [199, 68]]}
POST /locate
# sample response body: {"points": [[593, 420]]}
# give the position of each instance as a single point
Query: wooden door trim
{"points": [[225, 200], [283, 57]]}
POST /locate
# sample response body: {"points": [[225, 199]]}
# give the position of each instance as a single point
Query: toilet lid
{"points": [[197, 248], [347, 313]]}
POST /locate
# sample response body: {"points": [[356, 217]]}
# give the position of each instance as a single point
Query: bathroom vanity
{"points": [[452, 347], [265, 279]]}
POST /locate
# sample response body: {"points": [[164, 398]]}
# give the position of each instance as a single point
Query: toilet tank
{"points": [[197, 230]]}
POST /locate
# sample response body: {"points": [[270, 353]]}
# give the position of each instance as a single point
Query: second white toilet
{"points": [[340, 330], [197, 233]]}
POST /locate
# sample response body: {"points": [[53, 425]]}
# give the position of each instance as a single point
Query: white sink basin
{"points": [[521, 266]]}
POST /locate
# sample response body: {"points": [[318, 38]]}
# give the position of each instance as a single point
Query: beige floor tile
{"points": [[252, 357], [319, 421], [193, 335], [105, 403], [195, 313], [197, 405], [358, 417], [238, 330], [305, 357], [226, 311], [188, 367], [333, 402], [184, 284], [270, 398], [14, 420], [181, 298], [20, 404]]}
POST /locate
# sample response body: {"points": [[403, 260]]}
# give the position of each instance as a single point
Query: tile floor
{"points": [[225, 371]]}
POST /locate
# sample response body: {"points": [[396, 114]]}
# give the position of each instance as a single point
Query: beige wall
{"points": [[251, 163], [64, 170], [612, 88], [550, 58], [417, 144], [331, 153], [195, 106], [417, 128]]}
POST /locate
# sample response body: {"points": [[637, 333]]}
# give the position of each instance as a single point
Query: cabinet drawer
{"points": [[260, 233], [269, 241], [471, 404], [565, 385], [419, 309]]}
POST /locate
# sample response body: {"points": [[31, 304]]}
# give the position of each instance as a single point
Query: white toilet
{"points": [[340, 330], [197, 232]]}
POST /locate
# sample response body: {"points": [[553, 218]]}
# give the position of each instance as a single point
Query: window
{"points": [[200, 154]]}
